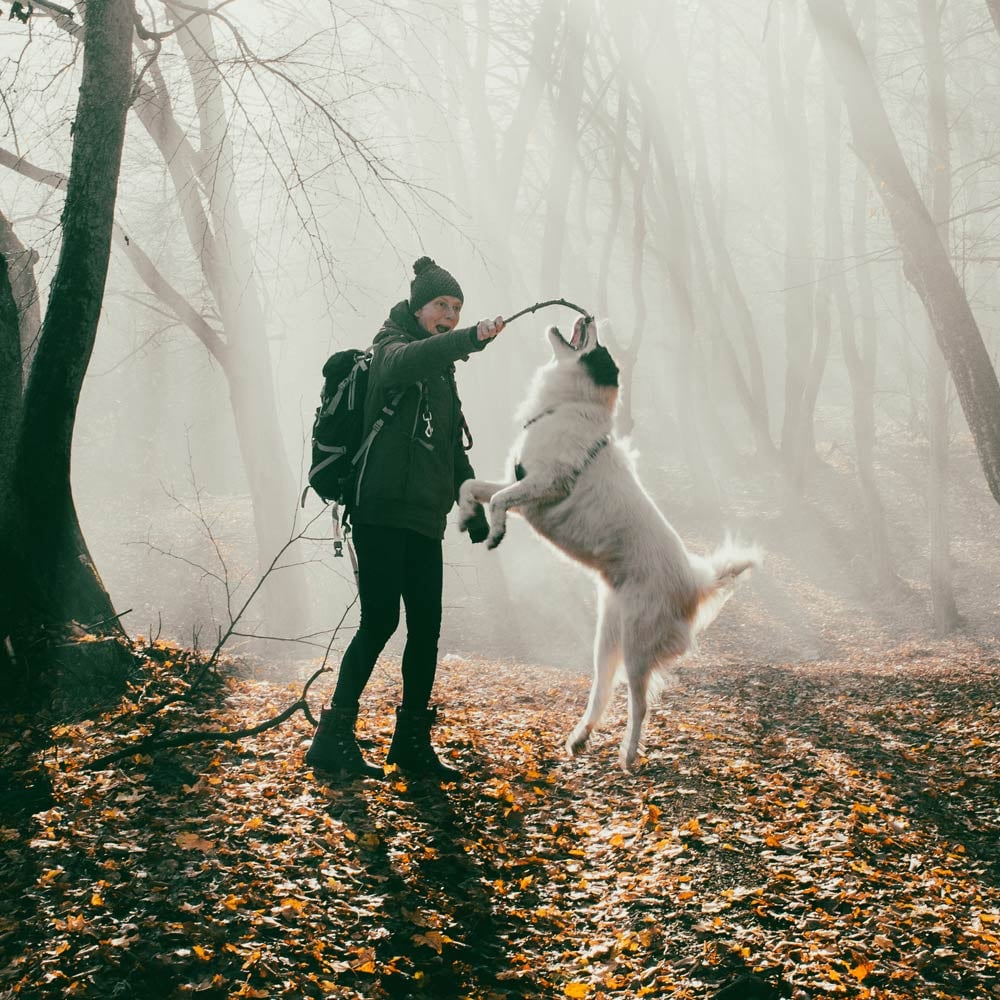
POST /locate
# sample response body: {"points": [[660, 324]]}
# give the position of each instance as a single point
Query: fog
{"points": [[687, 171]]}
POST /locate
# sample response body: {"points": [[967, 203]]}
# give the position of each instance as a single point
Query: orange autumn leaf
{"points": [[192, 842]]}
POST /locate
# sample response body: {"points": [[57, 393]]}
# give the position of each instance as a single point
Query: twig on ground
{"points": [[187, 738]]}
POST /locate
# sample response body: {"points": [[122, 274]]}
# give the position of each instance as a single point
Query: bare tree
{"points": [[788, 48], [747, 377], [860, 351], [49, 576], [939, 181], [925, 260], [567, 116]]}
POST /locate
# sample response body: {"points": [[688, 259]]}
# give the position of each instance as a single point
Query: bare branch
{"points": [[62, 16], [140, 261], [27, 169], [187, 738], [159, 36], [167, 294]]}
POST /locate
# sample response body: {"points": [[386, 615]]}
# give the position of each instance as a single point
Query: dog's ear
{"points": [[600, 366]]}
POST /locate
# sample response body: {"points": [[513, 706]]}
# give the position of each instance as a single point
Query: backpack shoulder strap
{"points": [[388, 412], [467, 441]]}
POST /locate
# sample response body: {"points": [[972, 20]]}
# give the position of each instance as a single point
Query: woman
{"points": [[406, 485]]}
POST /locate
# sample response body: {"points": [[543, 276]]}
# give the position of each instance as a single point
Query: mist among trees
{"points": [[784, 215]]}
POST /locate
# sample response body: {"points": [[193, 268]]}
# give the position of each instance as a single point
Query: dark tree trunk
{"points": [[925, 261], [47, 564], [10, 375]]}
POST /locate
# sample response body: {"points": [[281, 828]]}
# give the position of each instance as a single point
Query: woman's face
{"points": [[440, 314]]}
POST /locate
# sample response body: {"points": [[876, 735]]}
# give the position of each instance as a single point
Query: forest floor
{"points": [[802, 830]]}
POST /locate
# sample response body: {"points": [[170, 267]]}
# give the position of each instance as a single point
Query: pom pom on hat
{"points": [[429, 282]]}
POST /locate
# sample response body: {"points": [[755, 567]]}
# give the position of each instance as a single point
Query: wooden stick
{"points": [[548, 302]]}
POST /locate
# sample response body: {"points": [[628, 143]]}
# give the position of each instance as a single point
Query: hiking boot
{"points": [[334, 747], [411, 749]]}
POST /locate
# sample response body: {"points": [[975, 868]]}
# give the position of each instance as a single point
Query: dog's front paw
{"points": [[475, 523], [496, 536]]}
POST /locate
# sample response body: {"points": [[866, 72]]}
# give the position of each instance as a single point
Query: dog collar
{"points": [[538, 416], [592, 452]]}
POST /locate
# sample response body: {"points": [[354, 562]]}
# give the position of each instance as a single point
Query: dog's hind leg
{"points": [[637, 671], [644, 653], [607, 656]]}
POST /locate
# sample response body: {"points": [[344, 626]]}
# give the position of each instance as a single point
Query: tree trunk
{"points": [[790, 127], [229, 268], [10, 374], [860, 360], [617, 200], [939, 179], [54, 578], [567, 116], [747, 377], [994, 9], [925, 261], [21, 271], [751, 387], [663, 196], [628, 356]]}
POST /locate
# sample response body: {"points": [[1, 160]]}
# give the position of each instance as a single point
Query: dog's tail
{"points": [[727, 564]]}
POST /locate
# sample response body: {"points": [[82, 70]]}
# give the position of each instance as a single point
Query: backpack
{"points": [[338, 439]]}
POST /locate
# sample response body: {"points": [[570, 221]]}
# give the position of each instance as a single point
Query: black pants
{"points": [[394, 563]]}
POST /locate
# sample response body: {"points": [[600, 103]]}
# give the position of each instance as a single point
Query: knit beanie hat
{"points": [[429, 282]]}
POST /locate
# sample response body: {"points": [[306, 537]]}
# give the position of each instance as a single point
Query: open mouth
{"points": [[576, 341], [442, 328], [579, 336]]}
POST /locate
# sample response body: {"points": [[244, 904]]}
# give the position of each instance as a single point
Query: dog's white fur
{"points": [[653, 596]]}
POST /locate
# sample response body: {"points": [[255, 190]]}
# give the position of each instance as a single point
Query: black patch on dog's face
{"points": [[519, 472], [601, 366]]}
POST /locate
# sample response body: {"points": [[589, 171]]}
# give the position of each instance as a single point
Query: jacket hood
{"points": [[401, 321]]}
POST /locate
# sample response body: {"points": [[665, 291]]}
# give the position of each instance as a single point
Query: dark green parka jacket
{"points": [[415, 466]]}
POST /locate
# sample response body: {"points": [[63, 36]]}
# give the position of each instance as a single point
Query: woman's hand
{"points": [[487, 329]]}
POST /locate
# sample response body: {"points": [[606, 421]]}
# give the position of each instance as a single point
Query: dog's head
{"points": [[581, 371], [583, 353]]}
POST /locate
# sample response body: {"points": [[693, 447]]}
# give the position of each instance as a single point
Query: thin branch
{"points": [[272, 566], [187, 738], [141, 263]]}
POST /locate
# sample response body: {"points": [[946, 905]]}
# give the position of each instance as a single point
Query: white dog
{"points": [[576, 486]]}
